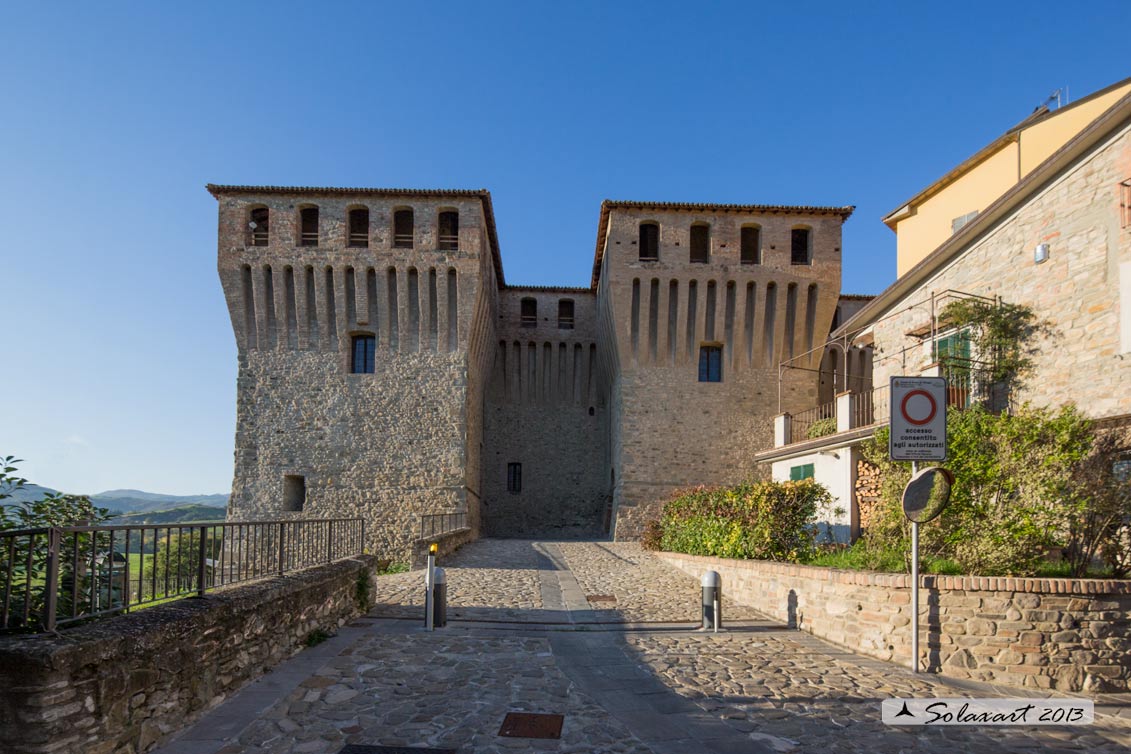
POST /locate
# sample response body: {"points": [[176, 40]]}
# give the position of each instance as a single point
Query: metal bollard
{"points": [[439, 598], [712, 601]]}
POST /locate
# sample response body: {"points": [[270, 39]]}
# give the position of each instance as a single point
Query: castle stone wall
{"points": [[546, 411]]}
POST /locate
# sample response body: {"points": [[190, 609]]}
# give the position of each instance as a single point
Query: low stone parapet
{"points": [[122, 684], [446, 544], [1064, 634]]}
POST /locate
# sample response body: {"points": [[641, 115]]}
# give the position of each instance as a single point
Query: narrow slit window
{"points": [[259, 225], [308, 230], [649, 242], [402, 229], [528, 314], [364, 352], [565, 314], [514, 477], [700, 244], [751, 246], [799, 246], [359, 228], [710, 363], [449, 231]]}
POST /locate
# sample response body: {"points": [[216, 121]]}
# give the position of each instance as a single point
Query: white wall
{"points": [[834, 469]]}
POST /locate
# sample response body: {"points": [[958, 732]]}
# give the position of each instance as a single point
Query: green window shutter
{"points": [[804, 471]]}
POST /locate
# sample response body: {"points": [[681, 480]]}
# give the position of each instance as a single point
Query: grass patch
{"points": [[384, 569]]}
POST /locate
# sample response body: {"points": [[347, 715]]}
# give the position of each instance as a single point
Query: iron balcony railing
{"points": [[402, 241], [805, 419], [449, 242], [52, 577], [435, 524], [359, 240], [259, 238]]}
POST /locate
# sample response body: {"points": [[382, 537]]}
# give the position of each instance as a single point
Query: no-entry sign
{"points": [[918, 419]]}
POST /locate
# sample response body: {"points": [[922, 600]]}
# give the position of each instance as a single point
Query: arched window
{"points": [[751, 245], [402, 229], [528, 315], [362, 360], [701, 243], [449, 231], [800, 246], [259, 226], [565, 314], [308, 226], [649, 242], [359, 228]]}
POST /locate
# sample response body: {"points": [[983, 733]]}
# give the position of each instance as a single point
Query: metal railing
{"points": [[52, 577], [803, 420], [308, 238], [448, 242], [402, 241], [435, 524], [258, 238], [358, 240]]}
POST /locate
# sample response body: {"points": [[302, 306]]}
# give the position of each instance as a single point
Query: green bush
{"points": [[1025, 483], [821, 428], [757, 520]]}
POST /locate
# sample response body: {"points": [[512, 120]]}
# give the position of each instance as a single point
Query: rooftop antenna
{"points": [[1059, 95]]}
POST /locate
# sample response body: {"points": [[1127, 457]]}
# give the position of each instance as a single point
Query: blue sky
{"points": [[119, 361]]}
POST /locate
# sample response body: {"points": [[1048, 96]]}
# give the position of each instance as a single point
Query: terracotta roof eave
{"points": [[550, 288], [1116, 117]]}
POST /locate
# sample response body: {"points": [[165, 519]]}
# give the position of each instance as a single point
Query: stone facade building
{"points": [[386, 369], [1056, 239]]}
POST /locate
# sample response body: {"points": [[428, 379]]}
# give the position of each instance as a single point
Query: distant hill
{"points": [[129, 501], [182, 513], [133, 501]]}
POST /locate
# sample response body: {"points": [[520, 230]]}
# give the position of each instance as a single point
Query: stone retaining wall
{"points": [[120, 685], [1064, 634], [446, 544]]}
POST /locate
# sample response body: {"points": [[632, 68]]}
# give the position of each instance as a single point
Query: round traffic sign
{"points": [[920, 411]]}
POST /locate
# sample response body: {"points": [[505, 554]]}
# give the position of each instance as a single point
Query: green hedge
{"points": [[756, 520]]}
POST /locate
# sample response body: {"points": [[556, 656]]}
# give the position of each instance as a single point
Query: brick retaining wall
{"points": [[120, 685], [1065, 634]]}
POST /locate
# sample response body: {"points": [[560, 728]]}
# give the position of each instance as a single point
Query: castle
{"points": [[386, 369]]}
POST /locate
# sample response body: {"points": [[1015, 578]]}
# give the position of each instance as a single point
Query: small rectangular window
{"points": [[294, 492], [700, 243], [308, 220], [364, 352], [799, 250], [649, 242], [804, 471], [751, 243], [528, 315], [565, 314], [359, 228], [402, 229], [449, 231], [260, 226], [710, 363], [1125, 204], [957, 223], [514, 477]]}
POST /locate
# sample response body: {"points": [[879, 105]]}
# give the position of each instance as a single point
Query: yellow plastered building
{"points": [[929, 218]]}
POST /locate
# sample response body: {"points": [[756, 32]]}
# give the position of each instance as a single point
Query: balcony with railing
{"points": [[968, 383]]}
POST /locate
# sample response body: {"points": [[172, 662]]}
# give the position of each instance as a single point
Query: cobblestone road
{"points": [[627, 674]]}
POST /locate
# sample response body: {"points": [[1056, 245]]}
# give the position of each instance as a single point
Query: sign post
{"points": [[917, 432]]}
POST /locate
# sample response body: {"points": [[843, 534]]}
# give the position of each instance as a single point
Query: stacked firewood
{"points": [[867, 491]]}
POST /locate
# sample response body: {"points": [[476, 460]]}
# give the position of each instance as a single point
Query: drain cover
{"points": [[600, 598], [363, 749], [531, 725]]}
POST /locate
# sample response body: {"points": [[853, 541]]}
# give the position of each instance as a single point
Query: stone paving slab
{"points": [[629, 679]]}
